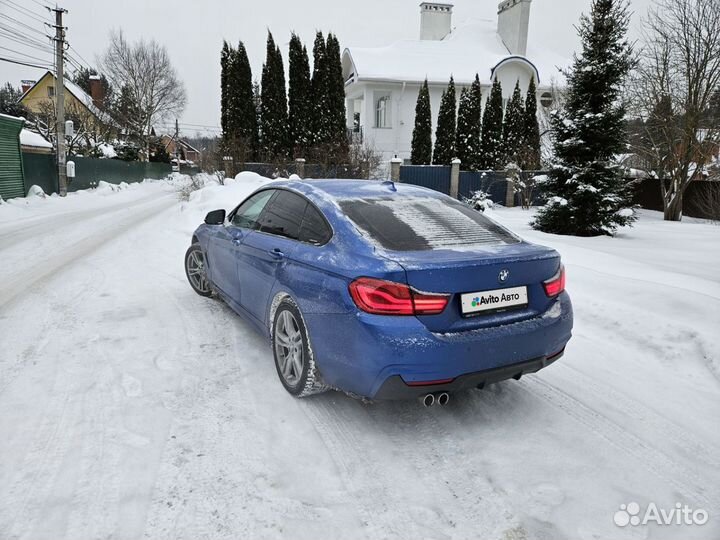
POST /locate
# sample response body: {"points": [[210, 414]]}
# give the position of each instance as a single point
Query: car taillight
{"points": [[556, 284], [382, 297]]}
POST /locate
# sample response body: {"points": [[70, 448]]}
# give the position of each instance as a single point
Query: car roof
{"points": [[350, 189]]}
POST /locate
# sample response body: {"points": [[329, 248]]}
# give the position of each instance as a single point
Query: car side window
{"points": [[248, 212], [283, 216], [314, 229]]}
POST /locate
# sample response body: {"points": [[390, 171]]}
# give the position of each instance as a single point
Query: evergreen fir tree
{"points": [[514, 128], [422, 132], [299, 115], [225, 55], [335, 89], [491, 151], [585, 188], [445, 132], [319, 91], [273, 117], [468, 126], [530, 159], [241, 118]]}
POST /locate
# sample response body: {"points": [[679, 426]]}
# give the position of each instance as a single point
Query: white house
{"points": [[382, 84]]}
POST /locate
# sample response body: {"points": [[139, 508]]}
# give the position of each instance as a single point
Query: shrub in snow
{"points": [[294, 177], [479, 200], [585, 188], [36, 191]]}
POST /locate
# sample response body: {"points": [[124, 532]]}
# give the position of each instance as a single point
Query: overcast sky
{"points": [[193, 31]]}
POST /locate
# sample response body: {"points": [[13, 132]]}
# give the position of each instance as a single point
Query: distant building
{"points": [[39, 98], [187, 151], [382, 83]]}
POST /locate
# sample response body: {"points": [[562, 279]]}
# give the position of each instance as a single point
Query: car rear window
{"points": [[423, 223]]}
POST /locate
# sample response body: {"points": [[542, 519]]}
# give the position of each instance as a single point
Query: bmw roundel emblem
{"points": [[503, 275]]}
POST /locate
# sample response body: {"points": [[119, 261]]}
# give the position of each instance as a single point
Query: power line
{"points": [[23, 54], [25, 11], [20, 62], [25, 26], [19, 33], [73, 49], [42, 4], [32, 45]]}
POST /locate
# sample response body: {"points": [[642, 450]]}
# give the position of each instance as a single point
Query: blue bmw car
{"points": [[383, 290]]}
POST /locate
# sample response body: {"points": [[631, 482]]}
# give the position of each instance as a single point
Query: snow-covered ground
{"points": [[132, 408]]}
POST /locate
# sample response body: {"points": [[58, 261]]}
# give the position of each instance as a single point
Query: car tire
{"points": [[195, 268], [290, 344]]}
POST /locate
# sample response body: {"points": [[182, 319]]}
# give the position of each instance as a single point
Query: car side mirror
{"points": [[216, 217]]}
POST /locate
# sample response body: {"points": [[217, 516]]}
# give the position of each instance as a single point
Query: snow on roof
{"points": [[473, 47], [30, 138]]}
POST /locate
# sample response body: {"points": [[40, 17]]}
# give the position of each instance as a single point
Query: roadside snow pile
{"points": [[105, 188], [214, 196], [36, 191], [39, 204]]}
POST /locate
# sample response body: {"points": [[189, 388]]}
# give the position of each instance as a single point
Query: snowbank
{"points": [[215, 196]]}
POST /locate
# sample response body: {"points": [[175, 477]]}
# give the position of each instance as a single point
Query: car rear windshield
{"points": [[423, 223]]}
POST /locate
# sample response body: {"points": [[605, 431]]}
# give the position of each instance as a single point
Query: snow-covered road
{"points": [[132, 408]]}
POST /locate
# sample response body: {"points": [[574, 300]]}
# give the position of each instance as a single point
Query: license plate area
{"points": [[478, 303]]}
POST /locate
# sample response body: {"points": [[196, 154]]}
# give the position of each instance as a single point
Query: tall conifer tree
{"points": [[585, 189], [468, 126], [491, 151], [299, 98], [319, 91], [274, 125], [421, 153], [445, 133], [514, 128], [336, 117], [531, 142]]}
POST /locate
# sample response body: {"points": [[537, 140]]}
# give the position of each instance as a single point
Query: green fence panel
{"points": [[40, 170], [90, 171], [11, 168]]}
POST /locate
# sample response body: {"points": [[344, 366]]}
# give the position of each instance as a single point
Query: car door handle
{"points": [[276, 254], [237, 241]]}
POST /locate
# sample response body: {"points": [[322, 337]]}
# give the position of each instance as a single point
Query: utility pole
{"points": [[60, 98]]}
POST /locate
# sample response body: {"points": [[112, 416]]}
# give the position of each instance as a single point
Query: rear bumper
{"points": [[382, 357], [396, 388]]}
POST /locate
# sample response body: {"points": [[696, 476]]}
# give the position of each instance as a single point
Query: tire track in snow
{"points": [[12, 288], [642, 414], [470, 501], [33, 227], [380, 510], [648, 456]]}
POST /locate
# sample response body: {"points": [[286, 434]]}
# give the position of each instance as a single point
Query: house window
{"points": [[51, 91], [546, 99], [382, 112]]}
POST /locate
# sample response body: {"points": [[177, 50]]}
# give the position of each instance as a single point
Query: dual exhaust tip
{"points": [[442, 398]]}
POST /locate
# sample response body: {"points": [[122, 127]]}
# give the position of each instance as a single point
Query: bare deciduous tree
{"points": [[147, 81], [672, 95]]}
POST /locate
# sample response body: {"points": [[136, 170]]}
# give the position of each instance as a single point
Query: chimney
{"points": [[513, 21], [435, 20], [26, 85], [97, 90]]}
